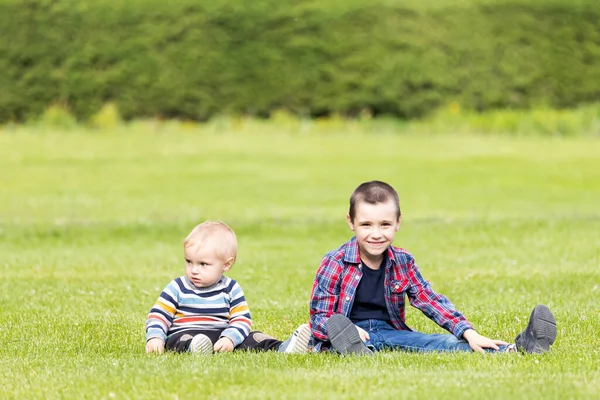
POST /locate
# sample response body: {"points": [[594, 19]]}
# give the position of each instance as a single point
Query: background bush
{"points": [[196, 59]]}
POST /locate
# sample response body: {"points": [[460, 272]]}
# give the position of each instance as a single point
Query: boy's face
{"points": [[375, 226], [203, 266]]}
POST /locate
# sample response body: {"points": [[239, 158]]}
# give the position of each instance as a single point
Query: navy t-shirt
{"points": [[369, 300]]}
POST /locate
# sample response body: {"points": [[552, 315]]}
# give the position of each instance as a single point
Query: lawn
{"points": [[91, 229]]}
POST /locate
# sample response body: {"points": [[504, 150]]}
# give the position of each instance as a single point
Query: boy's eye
{"points": [[187, 261]]}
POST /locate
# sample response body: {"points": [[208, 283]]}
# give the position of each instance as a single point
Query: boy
{"points": [[357, 301], [205, 311]]}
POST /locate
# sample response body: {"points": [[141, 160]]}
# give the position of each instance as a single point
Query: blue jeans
{"points": [[384, 336]]}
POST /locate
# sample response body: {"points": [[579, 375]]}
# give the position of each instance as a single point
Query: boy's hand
{"points": [[155, 345], [224, 344], [479, 343], [364, 336]]}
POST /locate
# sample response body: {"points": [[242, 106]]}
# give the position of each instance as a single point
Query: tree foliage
{"points": [[195, 59]]}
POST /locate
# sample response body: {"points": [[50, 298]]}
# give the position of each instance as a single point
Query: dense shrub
{"points": [[195, 59]]}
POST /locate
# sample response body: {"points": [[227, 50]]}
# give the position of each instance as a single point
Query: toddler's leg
{"points": [[297, 343], [259, 341], [182, 341]]}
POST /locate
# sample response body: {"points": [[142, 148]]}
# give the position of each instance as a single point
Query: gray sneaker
{"points": [[344, 337], [201, 344], [540, 332], [298, 342]]}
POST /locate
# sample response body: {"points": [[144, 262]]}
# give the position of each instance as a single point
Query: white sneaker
{"points": [[201, 344], [298, 342]]}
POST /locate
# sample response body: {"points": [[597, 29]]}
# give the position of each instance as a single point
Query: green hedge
{"points": [[195, 59]]}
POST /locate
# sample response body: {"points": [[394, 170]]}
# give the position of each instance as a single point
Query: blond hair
{"points": [[215, 234]]}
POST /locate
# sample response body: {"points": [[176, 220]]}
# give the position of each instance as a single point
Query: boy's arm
{"points": [[161, 315], [324, 297], [435, 306], [239, 317]]}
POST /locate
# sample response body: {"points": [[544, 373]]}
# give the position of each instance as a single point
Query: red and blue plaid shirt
{"points": [[338, 277]]}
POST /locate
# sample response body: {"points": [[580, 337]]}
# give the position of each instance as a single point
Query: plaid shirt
{"points": [[338, 277]]}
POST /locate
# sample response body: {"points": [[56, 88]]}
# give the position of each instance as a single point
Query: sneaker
{"points": [[201, 344], [298, 342], [344, 336], [540, 332]]}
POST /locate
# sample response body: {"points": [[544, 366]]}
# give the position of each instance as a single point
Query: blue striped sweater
{"points": [[182, 306]]}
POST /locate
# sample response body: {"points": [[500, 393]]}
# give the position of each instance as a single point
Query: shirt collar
{"points": [[352, 254]]}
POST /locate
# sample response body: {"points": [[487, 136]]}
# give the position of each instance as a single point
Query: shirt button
{"points": [[357, 277], [397, 287], [347, 298]]}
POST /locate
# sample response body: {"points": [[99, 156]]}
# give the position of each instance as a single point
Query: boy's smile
{"points": [[375, 226]]}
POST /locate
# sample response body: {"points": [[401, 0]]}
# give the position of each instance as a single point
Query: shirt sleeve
{"points": [[240, 321], [435, 306], [324, 297], [162, 313]]}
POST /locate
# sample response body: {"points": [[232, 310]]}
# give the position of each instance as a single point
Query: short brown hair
{"points": [[216, 234], [373, 192]]}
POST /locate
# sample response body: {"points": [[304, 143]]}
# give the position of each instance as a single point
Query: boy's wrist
{"points": [[469, 334], [460, 328]]}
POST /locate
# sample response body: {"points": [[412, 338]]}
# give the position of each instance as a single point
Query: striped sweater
{"points": [[183, 306]]}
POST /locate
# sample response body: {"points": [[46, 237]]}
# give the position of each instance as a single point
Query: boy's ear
{"points": [[228, 263], [399, 222], [349, 220]]}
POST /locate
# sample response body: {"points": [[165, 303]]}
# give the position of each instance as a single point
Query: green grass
{"points": [[91, 229]]}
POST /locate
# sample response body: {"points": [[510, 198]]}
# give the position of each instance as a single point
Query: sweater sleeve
{"points": [[162, 313], [240, 321]]}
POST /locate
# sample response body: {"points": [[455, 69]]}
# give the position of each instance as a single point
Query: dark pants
{"points": [[175, 342]]}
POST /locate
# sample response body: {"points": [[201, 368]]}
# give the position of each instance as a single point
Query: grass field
{"points": [[91, 229]]}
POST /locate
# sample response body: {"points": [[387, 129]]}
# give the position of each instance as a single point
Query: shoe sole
{"points": [[543, 327], [201, 344], [344, 336], [299, 341]]}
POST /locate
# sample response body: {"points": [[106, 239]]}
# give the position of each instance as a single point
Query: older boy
{"points": [[357, 302], [205, 311]]}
